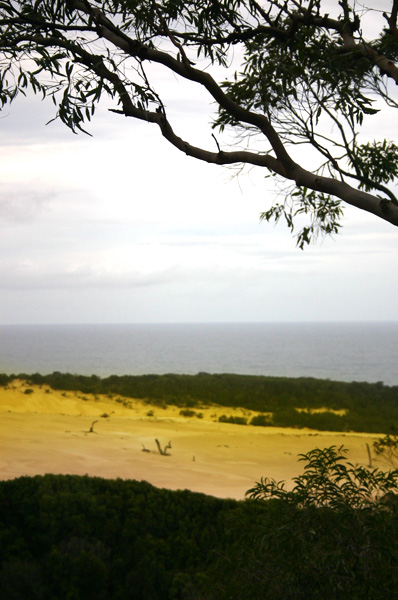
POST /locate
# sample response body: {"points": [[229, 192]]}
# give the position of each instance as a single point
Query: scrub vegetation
{"points": [[334, 535], [279, 401]]}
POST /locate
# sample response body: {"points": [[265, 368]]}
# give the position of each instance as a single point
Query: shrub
{"points": [[261, 421], [233, 419], [387, 446], [330, 480], [187, 412], [331, 536]]}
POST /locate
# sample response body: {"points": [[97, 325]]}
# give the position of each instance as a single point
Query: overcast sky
{"points": [[121, 227]]}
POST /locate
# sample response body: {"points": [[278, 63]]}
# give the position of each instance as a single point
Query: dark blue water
{"points": [[338, 351]]}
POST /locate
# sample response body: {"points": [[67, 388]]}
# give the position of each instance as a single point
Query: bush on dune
{"points": [[334, 535]]}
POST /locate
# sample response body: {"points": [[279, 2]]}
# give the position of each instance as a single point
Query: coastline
{"points": [[48, 431]]}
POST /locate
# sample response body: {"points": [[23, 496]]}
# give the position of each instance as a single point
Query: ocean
{"points": [[337, 351]]}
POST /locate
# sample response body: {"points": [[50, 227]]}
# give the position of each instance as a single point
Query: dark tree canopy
{"points": [[307, 76]]}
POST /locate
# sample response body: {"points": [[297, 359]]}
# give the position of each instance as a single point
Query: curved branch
{"points": [[187, 71], [281, 163], [217, 158], [384, 209], [387, 66], [235, 37]]}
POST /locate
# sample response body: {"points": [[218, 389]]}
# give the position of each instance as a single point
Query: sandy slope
{"points": [[48, 432]]}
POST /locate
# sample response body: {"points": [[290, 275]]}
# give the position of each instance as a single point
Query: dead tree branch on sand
{"points": [[91, 430], [164, 451]]}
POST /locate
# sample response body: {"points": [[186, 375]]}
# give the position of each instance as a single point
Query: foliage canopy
{"points": [[329, 480], [387, 446], [306, 78], [65, 536], [329, 537]]}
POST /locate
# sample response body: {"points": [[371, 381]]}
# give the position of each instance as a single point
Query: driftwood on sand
{"points": [[162, 451]]}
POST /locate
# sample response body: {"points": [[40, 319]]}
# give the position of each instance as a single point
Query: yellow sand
{"points": [[48, 431]]}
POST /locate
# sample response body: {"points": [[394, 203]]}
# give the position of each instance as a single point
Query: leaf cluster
{"points": [[376, 162], [324, 212], [387, 446], [331, 536], [329, 480]]}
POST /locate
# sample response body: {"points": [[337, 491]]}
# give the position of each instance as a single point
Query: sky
{"points": [[121, 227]]}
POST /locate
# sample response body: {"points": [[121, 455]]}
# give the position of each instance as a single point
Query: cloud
{"points": [[19, 204], [61, 259], [122, 226], [28, 275]]}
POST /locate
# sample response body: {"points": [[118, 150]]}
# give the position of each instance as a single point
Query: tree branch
{"points": [[187, 71], [280, 163], [344, 28], [217, 158], [384, 209], [392, 19]]}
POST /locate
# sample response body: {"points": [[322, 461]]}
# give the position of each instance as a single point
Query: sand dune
{"points": [[47, 431]]}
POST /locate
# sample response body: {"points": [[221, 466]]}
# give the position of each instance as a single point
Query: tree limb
{"points": [[392, 19], [384, 209], [41, 33]]}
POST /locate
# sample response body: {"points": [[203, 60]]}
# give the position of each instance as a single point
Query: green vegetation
{"points": [[188, 412], [333, 536], [233, 419], [81, 538], [88, 538], [261, 421], [387, 446], [367, 407], [329, 480]]}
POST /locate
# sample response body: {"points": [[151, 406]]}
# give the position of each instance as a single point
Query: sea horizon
{"points": [[345, 351], [207, 322]]}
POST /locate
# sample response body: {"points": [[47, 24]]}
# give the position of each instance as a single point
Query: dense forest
{"points": [[81, 538], [367, 407]]}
